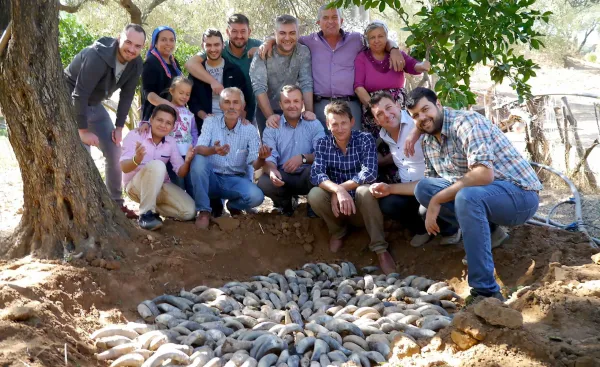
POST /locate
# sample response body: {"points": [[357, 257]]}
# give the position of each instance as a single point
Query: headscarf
{"points": [[153, 51]]}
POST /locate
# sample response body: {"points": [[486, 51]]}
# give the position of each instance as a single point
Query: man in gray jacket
{"points": [[290, 65], [93, 76]]}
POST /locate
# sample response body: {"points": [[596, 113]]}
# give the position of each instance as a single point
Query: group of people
{"points": [[333, 122]]}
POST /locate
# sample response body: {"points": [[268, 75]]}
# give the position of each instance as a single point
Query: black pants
{"points": [[404, 209], [295, 184]]}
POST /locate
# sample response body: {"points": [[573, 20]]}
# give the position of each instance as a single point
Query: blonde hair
{"points": [[180, 80]]}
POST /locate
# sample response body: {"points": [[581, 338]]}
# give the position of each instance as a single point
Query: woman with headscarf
{"points": [[372, 73], [160, 68]]}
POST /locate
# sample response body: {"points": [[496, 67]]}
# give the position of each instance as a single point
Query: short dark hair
{"points": [[135, 27], [378, 96], [290, 88], [340, 108], [164, 108], [417, 94], [285, 19], [212, 32], [238, 19]]}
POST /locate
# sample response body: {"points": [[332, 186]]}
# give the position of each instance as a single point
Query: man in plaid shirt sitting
{"points": [[345, 164], [475, 179]]}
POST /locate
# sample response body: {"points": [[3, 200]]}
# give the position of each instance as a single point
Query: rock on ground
{"points": [[494, 312], [462, 340]]}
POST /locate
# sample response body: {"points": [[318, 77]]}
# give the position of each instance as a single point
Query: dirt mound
{"points": [[70, 300]]}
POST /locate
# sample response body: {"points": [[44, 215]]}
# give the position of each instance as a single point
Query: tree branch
{"points": [[5, 38], [71, 8], [134, 11], [150, 8]]}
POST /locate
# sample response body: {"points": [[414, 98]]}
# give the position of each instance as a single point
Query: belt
{"points": [[317, 98]]}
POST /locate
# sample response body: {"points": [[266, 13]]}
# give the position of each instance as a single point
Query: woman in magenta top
{"points": [[372, 73]]}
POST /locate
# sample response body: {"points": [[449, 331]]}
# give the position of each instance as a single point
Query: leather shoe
{"points": [[335, 244], [386, 262], [130, 214], [203, 220]]}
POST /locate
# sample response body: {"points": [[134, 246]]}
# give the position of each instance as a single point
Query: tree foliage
{"points": [[460, 34], [72, 38]]}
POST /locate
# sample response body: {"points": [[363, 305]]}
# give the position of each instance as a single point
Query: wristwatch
{"points": [[304, 161]]}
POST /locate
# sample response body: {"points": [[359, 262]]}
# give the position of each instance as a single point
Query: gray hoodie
{"points": [[91, 79]]}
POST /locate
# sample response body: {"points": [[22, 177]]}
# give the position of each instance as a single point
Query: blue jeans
{"points": [[474, 209], [184, 183], [241, 193]]}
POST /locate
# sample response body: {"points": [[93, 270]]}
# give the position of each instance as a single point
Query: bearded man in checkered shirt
{"points": [[475, 179]]}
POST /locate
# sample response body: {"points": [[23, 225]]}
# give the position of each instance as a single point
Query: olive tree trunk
{"points": [[65, 200]]}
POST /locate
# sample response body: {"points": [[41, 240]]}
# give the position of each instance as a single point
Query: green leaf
{"points": [[382, 6]]}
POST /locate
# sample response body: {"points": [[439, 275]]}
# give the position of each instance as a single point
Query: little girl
{"points": [[185, 131]]}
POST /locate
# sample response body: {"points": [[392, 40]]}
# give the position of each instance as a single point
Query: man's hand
{"points": [[411, 140], [88, 138], [140, 152], [217, 88], [379, 190], [346, 203], [189, 155], [246, 122], [221, 150], [143, 128], [117, 136], [266, 49], [264, 152], [275, 177], [252, 51], [396, 60], [426, 65], [309, 115], [273, 121], [292, 164], [433, 210]]}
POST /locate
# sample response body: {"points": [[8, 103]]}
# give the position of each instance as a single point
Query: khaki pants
{"points": [[149, 189], [367, 215]]}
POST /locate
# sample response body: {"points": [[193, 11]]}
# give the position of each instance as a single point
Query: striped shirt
{"points": [[468, 139], [288, 142], [359, 164], [243, 142]]}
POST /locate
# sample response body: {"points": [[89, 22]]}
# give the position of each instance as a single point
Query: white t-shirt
{"points": [[119, 68], [217, 73], [409, 168]]}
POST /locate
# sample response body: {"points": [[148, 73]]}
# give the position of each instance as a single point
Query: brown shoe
{"points": [[386, 262], [335, 244], [130, 214], [203, 220]]}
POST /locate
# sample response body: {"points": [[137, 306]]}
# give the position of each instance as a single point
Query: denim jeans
{"points": [[184, 183], [241, 193], [473, 209]]}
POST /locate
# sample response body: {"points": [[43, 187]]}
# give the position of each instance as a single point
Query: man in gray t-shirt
{"points": [[216, 71], [290, 64]]}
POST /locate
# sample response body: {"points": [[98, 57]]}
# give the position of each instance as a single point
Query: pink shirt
{"points": [[366, 76], [165, 151]]}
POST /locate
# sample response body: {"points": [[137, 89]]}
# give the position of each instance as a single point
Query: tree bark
{"points": [[4, 14], [134, 11], [65, 200]]}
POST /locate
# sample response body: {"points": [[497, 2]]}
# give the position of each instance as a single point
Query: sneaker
{"points": [[149, 221], [420, 239], [498, 237], [476, 296], [130, 214], [452, 239], [203, 220]]}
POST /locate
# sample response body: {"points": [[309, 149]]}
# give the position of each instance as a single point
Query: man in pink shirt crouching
{"points": [[143, 162]]}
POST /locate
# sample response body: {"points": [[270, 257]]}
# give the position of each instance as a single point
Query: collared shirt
{"points": [[359, 164], [268, 76], [166, 151], [243, 63], [287, 141], [409, 168], [243, 143], [333, 69], [468, 139]]}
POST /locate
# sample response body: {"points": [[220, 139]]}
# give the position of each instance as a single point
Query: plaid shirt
{"points": [[243, 142], [359, 164], [467, 139]]}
